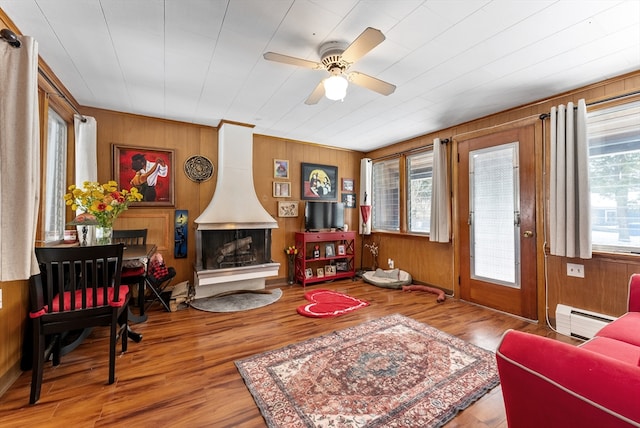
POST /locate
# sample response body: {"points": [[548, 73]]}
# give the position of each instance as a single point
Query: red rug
{"points": [[390, 372], [328, 303]]}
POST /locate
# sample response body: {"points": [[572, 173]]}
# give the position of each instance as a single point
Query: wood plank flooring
{"points": [[182, 374]]}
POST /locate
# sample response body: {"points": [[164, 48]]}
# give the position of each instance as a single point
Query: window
{"points": [[56, 173], [386, 195], [614, 175], [419, 185]]}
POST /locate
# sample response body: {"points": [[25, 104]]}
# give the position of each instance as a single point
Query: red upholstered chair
{"points": [[77, 288], [135, 273]]}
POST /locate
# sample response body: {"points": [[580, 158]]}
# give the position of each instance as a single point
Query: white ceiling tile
{"points": [[201, 61]]}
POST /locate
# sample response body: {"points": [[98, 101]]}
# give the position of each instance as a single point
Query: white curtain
{"points": [[366, 171], [440, 206], [19, 159], [86, 143], [570, 205]]}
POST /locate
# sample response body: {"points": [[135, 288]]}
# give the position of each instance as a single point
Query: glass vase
{"points": [[104, 235], [291, 269]]}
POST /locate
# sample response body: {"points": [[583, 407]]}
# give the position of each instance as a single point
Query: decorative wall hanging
{"points": [[180, 239], [347, 185], [287, 208], [151, 171], [319, 182], [281, 189], [349, 200], [280, 168], [198, 168]]}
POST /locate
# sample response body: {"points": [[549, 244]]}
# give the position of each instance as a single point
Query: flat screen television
{"points": [[323, 215]]}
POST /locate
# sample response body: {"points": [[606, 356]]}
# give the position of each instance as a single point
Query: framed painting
{"points": [[287, 208], [181, 221], [280, 168], [347, 185], [149, 170], [349, 200], [319, 182], [281, 189]]}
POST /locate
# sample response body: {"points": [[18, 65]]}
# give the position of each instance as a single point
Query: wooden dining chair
{"points": [[135, 273], [77, 288]]}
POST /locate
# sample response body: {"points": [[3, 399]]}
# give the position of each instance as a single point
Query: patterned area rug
{"points": [[240, 301], [389, 372]]}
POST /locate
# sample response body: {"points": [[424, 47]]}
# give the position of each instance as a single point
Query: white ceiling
{"points": [[200, 61]]}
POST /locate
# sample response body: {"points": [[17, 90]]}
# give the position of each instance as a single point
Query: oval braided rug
{"points": [[241, 301]]}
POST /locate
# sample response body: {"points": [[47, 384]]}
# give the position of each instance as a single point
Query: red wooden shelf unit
{"points": [[330, 253]]}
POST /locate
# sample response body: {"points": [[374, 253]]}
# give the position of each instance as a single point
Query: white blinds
{"points": [[386, 195]]}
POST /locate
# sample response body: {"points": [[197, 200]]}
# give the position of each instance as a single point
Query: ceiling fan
{"points": [[337, 59]]}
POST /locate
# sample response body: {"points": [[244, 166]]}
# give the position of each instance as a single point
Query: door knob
{"points": [[527, 234]]}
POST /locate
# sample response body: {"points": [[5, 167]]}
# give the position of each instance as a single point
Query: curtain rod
{"points": [[11, 38], [61, 95], [544, 116], [416, 149]]}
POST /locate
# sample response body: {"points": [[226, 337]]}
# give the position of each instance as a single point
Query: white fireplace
{"points": [[233, 236]]}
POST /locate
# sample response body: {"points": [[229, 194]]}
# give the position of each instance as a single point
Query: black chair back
{"points": [[78, 288]]}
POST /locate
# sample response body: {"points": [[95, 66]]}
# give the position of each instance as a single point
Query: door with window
{"points": [[496, 207]]}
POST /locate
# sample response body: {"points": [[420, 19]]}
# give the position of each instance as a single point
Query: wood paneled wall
{"points": [[265, 150], [604, 288], [188, 140]]}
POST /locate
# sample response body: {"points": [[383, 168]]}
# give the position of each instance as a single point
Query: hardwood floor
{"points": [[183, 373]]}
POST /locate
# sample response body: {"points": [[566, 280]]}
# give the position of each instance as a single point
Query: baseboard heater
{"points": [[579, 322]]}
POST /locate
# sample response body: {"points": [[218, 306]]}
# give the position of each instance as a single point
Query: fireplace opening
{"points": [[222, 249]]}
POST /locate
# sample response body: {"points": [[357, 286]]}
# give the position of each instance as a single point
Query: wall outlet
{"points": [[390, 262], [575, 270]]}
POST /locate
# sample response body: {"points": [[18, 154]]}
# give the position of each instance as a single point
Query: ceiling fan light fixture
{"points": [[335, 87]]}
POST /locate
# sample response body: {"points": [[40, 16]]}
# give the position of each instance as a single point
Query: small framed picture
{"points": [[329, 250], [281, 189], [342, 266], [329, 270], [316, 252], [342, 250], [347, 184], [287, 208], [308, 273], [280, 168], [349, 200], [320, 273]]}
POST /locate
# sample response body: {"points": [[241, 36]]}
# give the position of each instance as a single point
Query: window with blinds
{"points": [[419, 187], [386, 195], [614, 177]]}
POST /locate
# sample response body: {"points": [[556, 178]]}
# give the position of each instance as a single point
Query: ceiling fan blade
{"points": [[369, 39], [286, 59], [377, 85], [316, 95]]}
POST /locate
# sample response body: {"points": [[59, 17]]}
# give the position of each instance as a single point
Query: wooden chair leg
{"points": [[112, 348], [141, 296], [37, 365], [124, 330]]}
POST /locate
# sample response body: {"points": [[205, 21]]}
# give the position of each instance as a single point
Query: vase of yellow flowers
{"points": [[103, 201], [291, 255]]}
